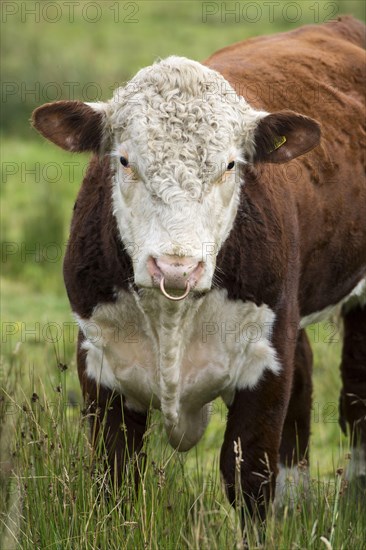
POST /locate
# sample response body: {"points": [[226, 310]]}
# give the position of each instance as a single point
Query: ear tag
{"points": [[277, 142]]}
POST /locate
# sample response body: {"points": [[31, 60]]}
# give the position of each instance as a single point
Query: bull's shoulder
{"points": [[253, 262]]}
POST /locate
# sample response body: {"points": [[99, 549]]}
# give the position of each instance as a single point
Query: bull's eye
{"points": [[123, 161], [231, 165]]}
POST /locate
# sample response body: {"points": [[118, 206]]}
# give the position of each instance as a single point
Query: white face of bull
{"points": [[176, 136], [179, 132]]}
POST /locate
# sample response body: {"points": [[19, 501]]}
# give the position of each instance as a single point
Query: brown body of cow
{"points": [[298, 245], [313, 235]]}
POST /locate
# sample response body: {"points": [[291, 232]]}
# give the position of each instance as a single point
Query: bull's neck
{"points": [[170, 325]]}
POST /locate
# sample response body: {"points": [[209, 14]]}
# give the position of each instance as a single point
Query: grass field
{"points": [[49, 499], [52, 501]]}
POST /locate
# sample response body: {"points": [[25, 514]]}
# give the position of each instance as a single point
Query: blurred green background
{"points": [[83, 50]]}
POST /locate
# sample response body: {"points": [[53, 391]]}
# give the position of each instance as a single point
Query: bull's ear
{"points": [[72, 125], [283, 136]]}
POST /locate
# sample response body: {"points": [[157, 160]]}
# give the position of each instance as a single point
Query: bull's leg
{"points": [[114, 428], [249, 454], [293, 471], [296, 429], [353, 393]]}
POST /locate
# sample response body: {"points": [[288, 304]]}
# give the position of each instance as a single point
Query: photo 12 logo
{"points": [[268, 11], [54, 12]]}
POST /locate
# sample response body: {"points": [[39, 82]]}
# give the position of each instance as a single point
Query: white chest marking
{"points": [[179, 357], [357, 296]]}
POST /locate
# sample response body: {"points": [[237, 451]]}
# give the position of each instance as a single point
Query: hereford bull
{"points": [[197, 256]]}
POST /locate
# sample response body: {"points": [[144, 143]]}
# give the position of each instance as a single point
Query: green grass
{"points": [[49, 497], [52, 500], [56, 497]]}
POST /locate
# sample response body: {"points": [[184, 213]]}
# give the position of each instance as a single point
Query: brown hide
{"points": [[318, 71], [95, 262]]}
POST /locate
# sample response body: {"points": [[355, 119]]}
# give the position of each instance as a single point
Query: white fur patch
{"points": [[357, 464], [356, 296], [291, 484], [179, 356]]}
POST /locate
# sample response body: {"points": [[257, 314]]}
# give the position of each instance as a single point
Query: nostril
{"points": [[197, 273], [153, 269]]}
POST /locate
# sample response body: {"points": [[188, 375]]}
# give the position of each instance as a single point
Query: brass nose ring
{"points": [[175, 298]]}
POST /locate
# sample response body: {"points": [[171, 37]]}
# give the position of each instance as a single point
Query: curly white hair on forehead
{"points": [[183, 120]]}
